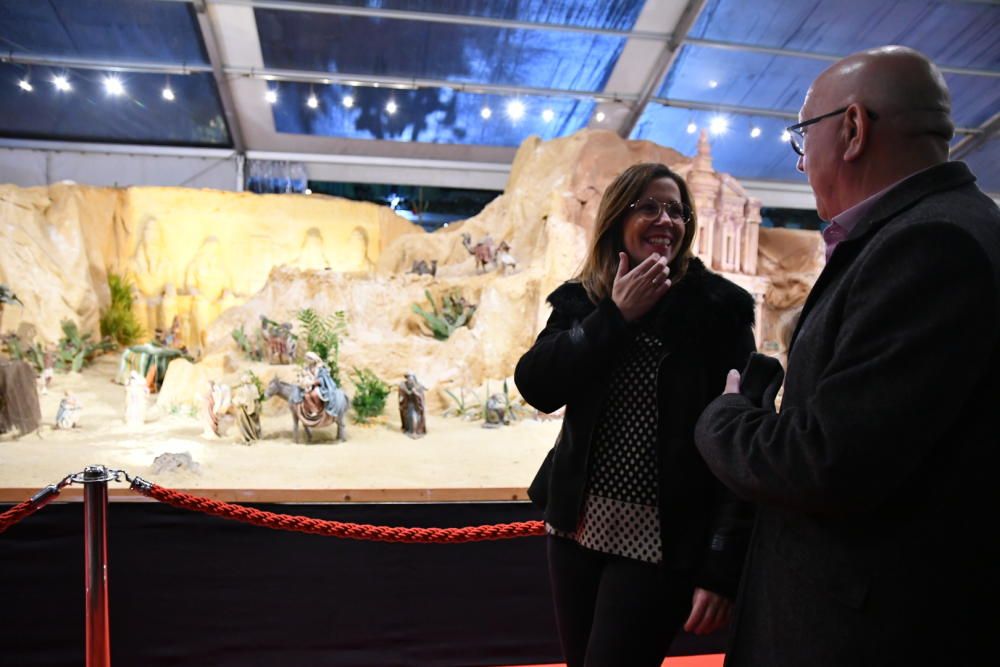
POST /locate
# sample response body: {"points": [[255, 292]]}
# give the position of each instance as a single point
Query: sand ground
{"points": [[457, 457]]}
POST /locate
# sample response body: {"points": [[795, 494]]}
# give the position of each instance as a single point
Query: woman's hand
{"points": [[709, 612], [635, 292]]}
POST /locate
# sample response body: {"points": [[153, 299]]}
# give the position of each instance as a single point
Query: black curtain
{"points": [[188, 589]]}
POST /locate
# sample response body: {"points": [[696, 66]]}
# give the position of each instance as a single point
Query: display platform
{"points": [[457, 460]]}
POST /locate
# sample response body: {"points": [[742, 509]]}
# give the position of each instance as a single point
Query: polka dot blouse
{"points": [[621, 514]]}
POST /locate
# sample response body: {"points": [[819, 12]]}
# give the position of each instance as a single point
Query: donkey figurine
{"points": [[295, 395]]}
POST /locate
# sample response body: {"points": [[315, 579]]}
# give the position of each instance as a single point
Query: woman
{"points": [[641, 536]]}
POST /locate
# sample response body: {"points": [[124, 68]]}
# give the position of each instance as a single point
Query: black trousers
{"points": [[613, 611]]}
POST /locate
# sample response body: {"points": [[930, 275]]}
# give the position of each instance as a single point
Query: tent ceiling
{"points": [[411, 79]]}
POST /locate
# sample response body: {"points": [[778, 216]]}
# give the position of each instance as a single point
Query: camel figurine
{"points": [[483, 251]]}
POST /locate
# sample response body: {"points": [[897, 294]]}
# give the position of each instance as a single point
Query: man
{"points": [[876, 532]]}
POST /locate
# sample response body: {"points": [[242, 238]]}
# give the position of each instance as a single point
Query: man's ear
{"points": [[855, 127]]}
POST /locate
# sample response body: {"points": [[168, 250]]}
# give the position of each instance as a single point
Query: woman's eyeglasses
{"points": [[653, 209]]}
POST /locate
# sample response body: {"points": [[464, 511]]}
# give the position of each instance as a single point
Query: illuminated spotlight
{"points": [[113, 86], [61, 83], [692, 128], [718, 125], [755, 132], [515, 110], [486, 112], [713, 84], [391, 107], [168, 94], [312, 102], [348, 101], [786, 136], [600, 117], [271, 96], [25, 85]]}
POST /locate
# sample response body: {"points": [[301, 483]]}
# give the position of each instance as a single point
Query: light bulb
{"points": [[755, 132], [168, 94], [348, 101], [25, 85], [692, 128], [312, 102], [718, 125], [271, 96], [486, 112], [113, 86], [786, 136], [600, 117], [548, 115], [62, 84], [391, 107], [515, 110]]}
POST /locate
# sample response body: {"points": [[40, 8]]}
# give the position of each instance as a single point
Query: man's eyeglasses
{"points": [[796, 136], [652, 209]]}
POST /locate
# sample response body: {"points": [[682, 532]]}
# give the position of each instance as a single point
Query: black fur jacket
{"points": [[705, 323]]}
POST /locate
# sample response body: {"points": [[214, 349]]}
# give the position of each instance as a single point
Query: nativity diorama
{"points": [[242, 341]]}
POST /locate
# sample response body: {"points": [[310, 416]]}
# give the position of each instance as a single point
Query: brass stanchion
{"points": [[95, 509]]}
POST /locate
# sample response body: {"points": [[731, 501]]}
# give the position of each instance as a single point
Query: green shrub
{"points": [[252, 348], [369, 399], [76, 350], [454, 313], [118, 322], [323, 337]]}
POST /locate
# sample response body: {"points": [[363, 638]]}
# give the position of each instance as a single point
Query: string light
{"points": [[347, 101], [718, 125], [754, 133], [313, 101], [548, 115], [61, 83], [692, 128], [25, 85], [486, 112], [113, 86], [515, 110], [168, 92], [391, 107], [600, 117], [271, 96]]}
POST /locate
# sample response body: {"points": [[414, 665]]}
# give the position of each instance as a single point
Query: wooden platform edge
{"points": [[121, 493]]}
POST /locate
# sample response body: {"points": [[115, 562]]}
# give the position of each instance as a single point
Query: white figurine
{"points": [[68, 413], [136, 392], [218, 401]]}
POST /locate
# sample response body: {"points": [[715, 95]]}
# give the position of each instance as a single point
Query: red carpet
{"points": [[686, 661]]}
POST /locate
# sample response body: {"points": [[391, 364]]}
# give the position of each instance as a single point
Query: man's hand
{"points": [[709, 612], [732, 382], [636, 291]]}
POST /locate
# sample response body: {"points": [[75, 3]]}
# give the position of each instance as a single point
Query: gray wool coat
{"points": [[875, 540]]}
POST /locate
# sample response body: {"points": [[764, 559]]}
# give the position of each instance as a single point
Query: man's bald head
{"points": [[895, 121], [899, 84]]}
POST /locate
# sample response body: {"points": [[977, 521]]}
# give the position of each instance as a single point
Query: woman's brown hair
{"points": [[598, 272]]}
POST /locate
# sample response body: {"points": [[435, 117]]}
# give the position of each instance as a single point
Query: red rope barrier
{"points": [[355, 531], [17, 513], [23, 510]]}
